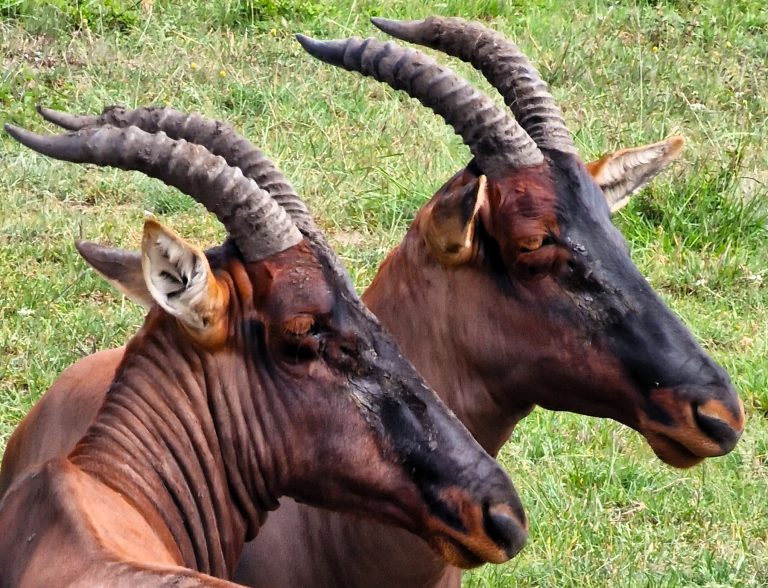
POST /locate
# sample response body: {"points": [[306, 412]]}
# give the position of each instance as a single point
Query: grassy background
{"points": [[603, 510]]}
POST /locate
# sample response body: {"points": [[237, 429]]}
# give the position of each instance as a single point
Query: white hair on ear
{"points": [[625, 172], [176, 274]]}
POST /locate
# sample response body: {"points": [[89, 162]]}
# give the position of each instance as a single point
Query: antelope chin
{"points": [[691, 431], [456, 554], [672, 452]]}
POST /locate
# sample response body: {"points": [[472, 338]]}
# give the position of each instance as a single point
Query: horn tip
{"points": [[304, 40], [34, 141], [44, 111], [47, 113], [329, 51], [400, 29], [381, 23], [14, 131], [63, 119], [310, 45]]}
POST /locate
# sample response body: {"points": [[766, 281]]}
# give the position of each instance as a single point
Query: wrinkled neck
{"points": [[179, 436], [425, 306]]}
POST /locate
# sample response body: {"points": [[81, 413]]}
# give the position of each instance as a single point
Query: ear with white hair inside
{"points": [[625, 172], [180, 280]]}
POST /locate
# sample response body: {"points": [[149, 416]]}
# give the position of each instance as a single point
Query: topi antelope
{"points": [[512, 288], [493, 336], [258, 373], [526, 222]]}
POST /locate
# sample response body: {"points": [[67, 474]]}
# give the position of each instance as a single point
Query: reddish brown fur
{"points": [[503, 348], [522, 205], [69, 407], [522, 213]]}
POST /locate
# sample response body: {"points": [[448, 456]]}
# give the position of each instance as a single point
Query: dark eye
{"points": [[299, 326], [529, 244], [300, 338]]}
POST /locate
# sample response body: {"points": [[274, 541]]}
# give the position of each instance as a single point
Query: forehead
{"points": [[578, 193], [293, 282], [583, 211], [585, 221], [528, 193], [560, 193], [522, 205]]}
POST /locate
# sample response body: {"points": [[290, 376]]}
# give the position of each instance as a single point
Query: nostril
{"points": [[716, 428], [506, 530]]}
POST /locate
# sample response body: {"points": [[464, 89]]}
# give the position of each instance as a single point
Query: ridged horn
{"points": [[503, 65], [494, 137], [218, 137], [256, 223]]}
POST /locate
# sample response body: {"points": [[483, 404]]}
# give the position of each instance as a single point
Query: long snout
{"points": [[474, 515], [470, 513]]}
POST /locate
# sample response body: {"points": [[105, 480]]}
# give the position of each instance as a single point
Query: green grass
{"points": [[603, 510]]}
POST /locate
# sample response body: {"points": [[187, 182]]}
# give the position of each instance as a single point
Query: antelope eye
{"points": [[299, 326], [533, 243], [300, 339]]}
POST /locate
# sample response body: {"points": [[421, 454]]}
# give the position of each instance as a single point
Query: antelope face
{"points": [[574, 326]]}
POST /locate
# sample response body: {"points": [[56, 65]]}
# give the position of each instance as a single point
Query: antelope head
{"points": [[534, 275]]}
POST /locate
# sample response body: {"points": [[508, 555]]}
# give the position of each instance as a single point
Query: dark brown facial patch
{"points": [[522, 219]]}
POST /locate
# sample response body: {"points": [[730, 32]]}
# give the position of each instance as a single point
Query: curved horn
{"points": [[496, 140], [503, 65], [257, 224], [218, 137]]}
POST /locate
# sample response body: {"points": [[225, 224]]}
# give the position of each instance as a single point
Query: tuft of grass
{"points": [[709, 213], [53, 16], [254, 11]]}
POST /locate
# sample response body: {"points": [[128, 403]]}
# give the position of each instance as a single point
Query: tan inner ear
{"points": [[180, 280], [447, 228], [625, 172]]}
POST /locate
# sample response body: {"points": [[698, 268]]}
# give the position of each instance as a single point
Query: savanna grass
{"points": [[603, 510]]}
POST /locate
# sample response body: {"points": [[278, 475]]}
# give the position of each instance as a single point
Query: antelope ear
{"points": [[448, 226], [624, 172], [179, 279], [120, 267]]}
